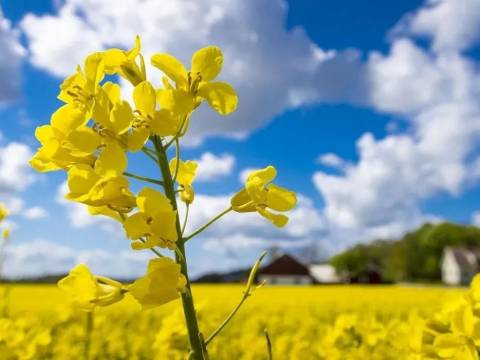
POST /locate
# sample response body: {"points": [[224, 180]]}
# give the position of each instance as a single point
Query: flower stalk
{"points": [[187, 298]]}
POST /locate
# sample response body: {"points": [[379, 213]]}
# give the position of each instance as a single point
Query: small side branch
{"points": [[143, 178], [200, 229]]}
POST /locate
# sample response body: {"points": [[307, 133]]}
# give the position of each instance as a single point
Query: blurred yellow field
{"points": [[322, 322]]}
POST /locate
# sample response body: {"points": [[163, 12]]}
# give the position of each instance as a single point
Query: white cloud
{"points": [[475, 218], [436, 92], [35, 213], [332, 160], [15, 172], [212, 167], [80, 217], [40, 257], [252, 44], [11, 55], [452, 24]]}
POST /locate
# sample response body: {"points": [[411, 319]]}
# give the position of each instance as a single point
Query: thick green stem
{"points": [[187, 299]]}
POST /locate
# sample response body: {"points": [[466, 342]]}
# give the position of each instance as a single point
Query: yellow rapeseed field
{"points": [[320, 322]]}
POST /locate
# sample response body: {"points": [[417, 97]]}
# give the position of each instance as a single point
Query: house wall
{"points": [[451, 274], [285, 279], [324, 273]]}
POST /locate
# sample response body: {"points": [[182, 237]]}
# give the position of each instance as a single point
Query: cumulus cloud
{"points": [[435, 90], [41, 257], [35, 213], [332, 160], [273, 68], [475, 218], [451, 24], [212, 167], [11, 56], [15, 173], [15, 177]]}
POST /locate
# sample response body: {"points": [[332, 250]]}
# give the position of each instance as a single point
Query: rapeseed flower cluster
{"points": [[90, 137]]}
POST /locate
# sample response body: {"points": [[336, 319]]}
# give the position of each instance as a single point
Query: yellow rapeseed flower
{"points": [[80, 88], [185, 176], [87, 291], [103, 184], [3, 211], [123, 63], [154, 223], [260, 195], [161, 284], [191, 87], [148, 119], [65, 142]]}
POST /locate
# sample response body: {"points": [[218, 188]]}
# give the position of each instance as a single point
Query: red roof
{"points": [[285, 265]]}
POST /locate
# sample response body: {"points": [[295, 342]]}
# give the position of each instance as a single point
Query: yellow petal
{"points": [[242, 202], [94, 68], [80, 286], [121, 117], [207, 62], [84, 139], [186, 171], [112, 59], [112, 90], [279, 220], [112, 161], [165, 123], [136, 226], [447, 345], [105, 211], [81, 178], [150, 201], [163, 225], [144, 97], [187, 195], [180, 101], [280, 199], [220, 96], [159, 285], [137, 138], [67, 118], [171, 67]]}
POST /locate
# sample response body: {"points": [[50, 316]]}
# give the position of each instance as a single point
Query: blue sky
{"points": [[370, 113]]}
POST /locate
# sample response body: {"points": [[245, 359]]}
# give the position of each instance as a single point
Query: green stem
{"points": [[199, 230], [177, 157], [88, 334], [227, 320], [186, 219], [269, 344], [179, 132], [187, 299], [143, 178], [246, 293]]}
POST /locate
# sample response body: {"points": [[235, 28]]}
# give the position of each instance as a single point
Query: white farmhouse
{"points": [[285, 270], [459, 265], [324, 274]]}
